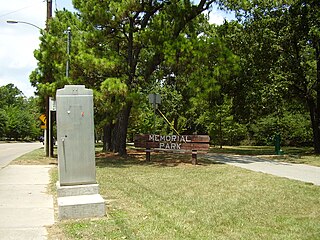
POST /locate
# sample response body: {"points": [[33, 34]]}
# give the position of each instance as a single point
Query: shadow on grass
{"points": [[135, 158]]}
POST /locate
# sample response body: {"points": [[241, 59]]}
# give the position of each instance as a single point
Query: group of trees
{"points": [[280, 42], [18, 115], [244, 80]]}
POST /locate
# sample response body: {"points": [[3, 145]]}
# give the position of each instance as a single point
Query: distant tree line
{"points": [[18, 115], [241, 82]]}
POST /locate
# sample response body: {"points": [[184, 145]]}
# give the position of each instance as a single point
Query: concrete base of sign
{"points": [[66, 191], [80, 201], [83, 206]]}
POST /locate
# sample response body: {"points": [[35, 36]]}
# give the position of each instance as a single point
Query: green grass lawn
{"points": [[169, 198]]}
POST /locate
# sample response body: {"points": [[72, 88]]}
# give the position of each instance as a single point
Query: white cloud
{"points": [[18, 41], [217, 16], [216, 19]]}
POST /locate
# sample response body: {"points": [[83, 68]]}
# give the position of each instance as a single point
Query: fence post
{"points": [[194, 157], [148, 151]]}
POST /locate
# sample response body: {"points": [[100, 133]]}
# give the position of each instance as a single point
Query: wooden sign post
{"points": [[173, 143]]}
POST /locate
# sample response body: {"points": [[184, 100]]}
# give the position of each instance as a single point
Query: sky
{"points": [[18, 41]]}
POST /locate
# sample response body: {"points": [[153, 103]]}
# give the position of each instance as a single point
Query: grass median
{"points": [[169, 198]]}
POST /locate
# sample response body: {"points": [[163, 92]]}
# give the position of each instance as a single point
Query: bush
{"points": [[294, 128]]}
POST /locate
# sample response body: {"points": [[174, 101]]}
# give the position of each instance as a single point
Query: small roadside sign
{"points": [[43, 118], [43, 126], [52, 104], [154, 98]]}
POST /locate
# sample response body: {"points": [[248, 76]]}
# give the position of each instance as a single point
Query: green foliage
{"points": [[142, 119], [3, 122], [18, 125], [122, 46], [50, 73], [10, 96], [230, 81], [294, 128], [172, 104], [221, 125], [110, 99], [18, 116], [278, 67]]}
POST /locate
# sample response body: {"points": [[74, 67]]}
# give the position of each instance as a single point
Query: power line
{"points": [[56, 5], [18, 10]]}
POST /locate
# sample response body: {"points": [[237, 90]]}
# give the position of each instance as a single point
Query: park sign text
{"points": [[169, 141], [172, 142]]}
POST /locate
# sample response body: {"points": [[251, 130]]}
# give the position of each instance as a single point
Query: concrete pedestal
{"points": [[78, 194], [76, 190], [80, 201]]}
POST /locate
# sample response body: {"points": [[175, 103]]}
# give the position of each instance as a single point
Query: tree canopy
{"points": [[18, 115], [244, 80]]}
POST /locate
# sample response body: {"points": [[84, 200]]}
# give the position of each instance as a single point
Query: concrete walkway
{"points": [[301, 172], [25, 206]]}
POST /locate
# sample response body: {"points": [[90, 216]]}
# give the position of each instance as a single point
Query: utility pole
{"points": [[49, 11], [68, 50], [48, 141]]}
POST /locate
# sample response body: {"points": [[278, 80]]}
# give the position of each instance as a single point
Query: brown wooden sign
{"points": [[178, 143]]}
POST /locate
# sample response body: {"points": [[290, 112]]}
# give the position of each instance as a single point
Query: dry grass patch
{"points": [[36, 157]]}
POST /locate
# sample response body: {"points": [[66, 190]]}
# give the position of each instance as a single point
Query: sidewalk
{"points": [[301, 172], [25, 206]]}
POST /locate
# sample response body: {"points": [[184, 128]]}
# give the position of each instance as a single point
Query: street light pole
{"points": [[47, 130], [49, 149], [68, 51], [14, 22]]}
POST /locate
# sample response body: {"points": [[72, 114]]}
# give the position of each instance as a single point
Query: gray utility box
{"points": [[75, 133]]}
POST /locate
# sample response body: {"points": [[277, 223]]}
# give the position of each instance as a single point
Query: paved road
{"points": [[10, 151], [299, 172]]}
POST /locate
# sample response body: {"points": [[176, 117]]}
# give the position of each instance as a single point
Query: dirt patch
{"points": [[139, 157]]}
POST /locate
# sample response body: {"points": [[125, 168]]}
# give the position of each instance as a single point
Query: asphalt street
{"points": [[10, 151]]}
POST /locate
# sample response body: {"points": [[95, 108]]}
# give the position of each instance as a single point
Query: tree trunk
{"points": [[220, 131], [119, 135], [107, 130], [315, 120], [175, 124], [316, 111]]}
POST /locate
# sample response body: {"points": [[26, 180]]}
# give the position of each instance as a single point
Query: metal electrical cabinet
{"points": [[75, 133]]}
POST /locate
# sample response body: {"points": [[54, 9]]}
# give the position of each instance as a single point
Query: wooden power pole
{"points": [[47, 76], [49, 10]]}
